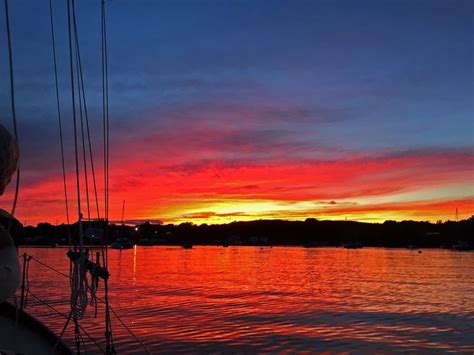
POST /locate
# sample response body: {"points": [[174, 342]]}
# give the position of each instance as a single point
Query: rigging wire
{"points": [[79, 296], [105, 117], [86, 116], [44, 303], [106, 107], [58, 106], [70, 3], [130, 331], [84, 157], [112, 310], [13, 111], [78, 275], [60, 337]]}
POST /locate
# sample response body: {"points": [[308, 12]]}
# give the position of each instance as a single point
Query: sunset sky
{"points": [[241, 110]]}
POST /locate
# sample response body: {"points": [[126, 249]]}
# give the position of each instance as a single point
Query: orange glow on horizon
{"points": [[428, 187]]}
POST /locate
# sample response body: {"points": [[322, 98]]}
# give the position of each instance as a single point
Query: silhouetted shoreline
{"points": [[308, 233]]}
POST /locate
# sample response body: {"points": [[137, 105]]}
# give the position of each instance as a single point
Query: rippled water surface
{"points": [[252, 299]]}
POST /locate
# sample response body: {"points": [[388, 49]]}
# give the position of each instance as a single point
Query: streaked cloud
{"points": [[243, 110]]}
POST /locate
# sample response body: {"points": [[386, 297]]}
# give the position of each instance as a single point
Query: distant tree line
{"points": [[311, 232]]}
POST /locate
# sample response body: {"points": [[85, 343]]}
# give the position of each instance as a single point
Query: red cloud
{"points": [[153, 187]]}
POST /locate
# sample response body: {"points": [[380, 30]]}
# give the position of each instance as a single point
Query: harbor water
{"points": [[263, 299]]}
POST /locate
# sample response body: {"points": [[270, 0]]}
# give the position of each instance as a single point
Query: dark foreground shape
{"points": [[30, 336]]}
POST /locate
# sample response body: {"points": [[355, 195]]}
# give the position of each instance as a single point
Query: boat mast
{"points": [[123, 210]]}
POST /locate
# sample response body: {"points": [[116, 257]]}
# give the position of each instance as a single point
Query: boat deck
{"points": [[21, 333]]}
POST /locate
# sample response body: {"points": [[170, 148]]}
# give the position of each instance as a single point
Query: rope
{"points": [[59, 119], [77, 335], [102, 301], [12, 102], [79, 297], [94, 286], [94, 278]]}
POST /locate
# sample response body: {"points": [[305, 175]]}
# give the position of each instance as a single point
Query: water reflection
{"points": [[274, 299], [134, 262]]}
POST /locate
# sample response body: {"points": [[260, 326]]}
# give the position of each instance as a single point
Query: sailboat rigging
{"points": [[85, 271]]}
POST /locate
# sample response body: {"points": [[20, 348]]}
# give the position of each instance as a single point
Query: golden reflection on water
{"points": [[273, 299]]}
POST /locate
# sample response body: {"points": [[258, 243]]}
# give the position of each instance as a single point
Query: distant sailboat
{"points": [[123, 211], [352, 245], [462, 246]]}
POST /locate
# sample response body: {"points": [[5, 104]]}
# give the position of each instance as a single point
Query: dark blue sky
{"points": [[290, 79], [399, 65]]}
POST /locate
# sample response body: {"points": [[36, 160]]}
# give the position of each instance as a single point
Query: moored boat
{"points": [[352, 245], [122, 243], [462, 246]]}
